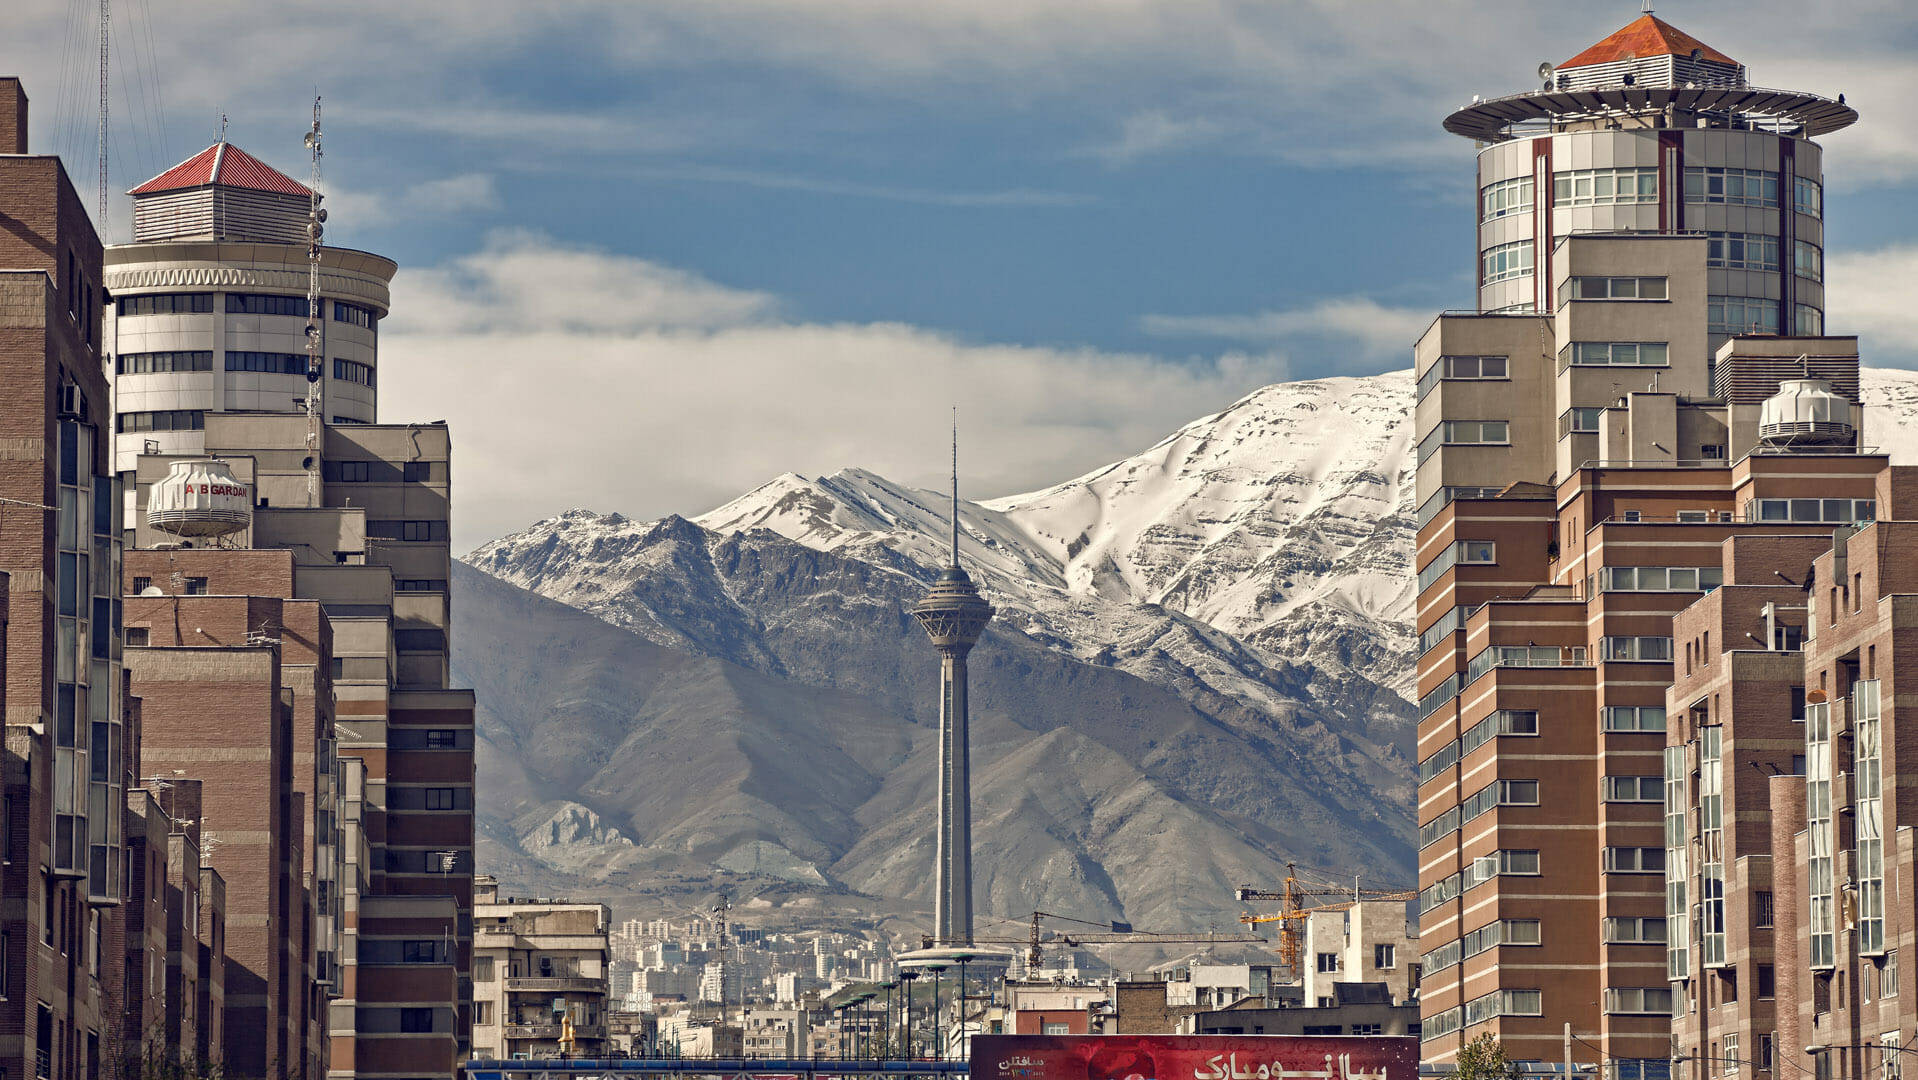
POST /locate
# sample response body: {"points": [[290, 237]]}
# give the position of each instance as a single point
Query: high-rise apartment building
{"points": [[65, 701], [337, 562], [1643, 387]]}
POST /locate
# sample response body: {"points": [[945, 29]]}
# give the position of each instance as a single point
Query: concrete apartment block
{"points": [[540, 975]]}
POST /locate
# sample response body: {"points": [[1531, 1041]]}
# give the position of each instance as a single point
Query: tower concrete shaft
{"points": [[953, 615]]}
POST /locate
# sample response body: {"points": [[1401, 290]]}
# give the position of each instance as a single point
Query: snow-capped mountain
{"points": [[1215, 632]]}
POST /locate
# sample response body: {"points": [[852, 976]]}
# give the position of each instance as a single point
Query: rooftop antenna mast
{"points": [[315, 222], [955, 486], [105, 38]]}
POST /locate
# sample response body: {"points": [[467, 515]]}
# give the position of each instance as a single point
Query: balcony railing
{"points": [[581, 1032], [557, 984]]}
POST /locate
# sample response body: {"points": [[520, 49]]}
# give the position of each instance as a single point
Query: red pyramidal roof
{"points": [[1646, 36], [223, 163]]}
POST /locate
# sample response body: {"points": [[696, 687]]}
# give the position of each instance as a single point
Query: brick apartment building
{"points": [[198, 853], [1641, 416]]}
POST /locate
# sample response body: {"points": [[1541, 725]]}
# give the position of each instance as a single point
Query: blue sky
{"points": [[711, 240]]}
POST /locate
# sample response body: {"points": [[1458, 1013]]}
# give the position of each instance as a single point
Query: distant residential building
{"points": [[539, 977], [1352, 1009], [1368, 942]]}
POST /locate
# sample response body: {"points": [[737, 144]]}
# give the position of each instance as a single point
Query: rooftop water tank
{"points": [[199, 498], [1805, 413]]}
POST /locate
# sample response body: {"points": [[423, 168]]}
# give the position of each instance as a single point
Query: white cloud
{"points": [[1156, 131], [1377, 329], [1869, 293], [682, 393]]}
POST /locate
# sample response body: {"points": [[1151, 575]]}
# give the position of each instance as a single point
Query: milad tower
{"points": [[953, 615]]}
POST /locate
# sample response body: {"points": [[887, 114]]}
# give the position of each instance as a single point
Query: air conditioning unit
{"points": [[71, 404]]}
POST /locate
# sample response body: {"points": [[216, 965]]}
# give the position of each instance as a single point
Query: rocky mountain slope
{"points": [[1197, 673]]}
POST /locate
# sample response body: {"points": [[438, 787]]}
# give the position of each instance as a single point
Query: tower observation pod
{"points": [[1654, 131]]}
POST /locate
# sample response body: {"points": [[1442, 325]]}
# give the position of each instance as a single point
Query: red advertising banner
{"points": [[1195, 1057]]}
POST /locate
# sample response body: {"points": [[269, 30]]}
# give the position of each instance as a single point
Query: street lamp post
{"points": [[964, 959], [938, 1044], [908, 976]]}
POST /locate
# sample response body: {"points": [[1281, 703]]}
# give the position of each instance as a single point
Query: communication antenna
{"points": [[955, 486], [315, 221], [1545, 73], [105, 37]]}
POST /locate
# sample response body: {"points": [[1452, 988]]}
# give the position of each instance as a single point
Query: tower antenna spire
{"points": [[955, 486]]}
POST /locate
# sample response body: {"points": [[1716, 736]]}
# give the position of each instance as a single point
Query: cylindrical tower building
{"points": [[1648, 131], [209, 306]]}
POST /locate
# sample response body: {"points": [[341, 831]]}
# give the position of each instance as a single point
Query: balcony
{"points": [[550, 1032], [556, 984]]}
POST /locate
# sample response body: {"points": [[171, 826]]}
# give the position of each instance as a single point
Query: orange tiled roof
{"points": [[1646, 36]]}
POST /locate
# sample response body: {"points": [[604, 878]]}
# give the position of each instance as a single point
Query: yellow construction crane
{"points": [[1293, 900]]}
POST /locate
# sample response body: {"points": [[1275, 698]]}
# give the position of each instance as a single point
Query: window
{"points": [[349, 472], [1444, 692], [1384, 957], [1638, 1001], [415, 472], [1614, 354], [147, 363], [1761, 909], [414, 1021], [419, 585], [353, 371], [164, 420], [482, 969], [406, 530], [1579, 421], [1819, 833], [1499, 793], [1808, 261], [440, 798], [1660, 578], [353, 313], [1767, 979], [1464, 433], [1741, 251], [1469, 552], [1739, 187], [349, 420], [1712, 451], [1464, 368], [483, 1014], [1493, 656], [1441, 631], [1503, 1003], [195, 586], [1603, 187], [270, 363], [1868, 862], [1741, 315], [137, 636], [1807, 321], [164, 304], [1807, 197], [1505, 261], [264, 304], [1504, 197], [1635, 648], [1612, 288], [1368, 1029], [1053, 1028], [1634, 789], [419, 952], [1328, 962], [1888, 977], [1633, 718], [1635, 931], [1730, 1058], [1829, 511], [1503, 932]]}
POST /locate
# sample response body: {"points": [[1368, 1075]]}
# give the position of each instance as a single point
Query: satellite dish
{"points": [[1630, 79], [1546, 71], [152, 590], [1697, 55]]}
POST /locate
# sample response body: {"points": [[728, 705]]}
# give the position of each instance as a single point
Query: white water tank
{"points": [[1805, 412], [199, 498]]}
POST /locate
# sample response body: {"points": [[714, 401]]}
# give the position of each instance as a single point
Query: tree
{"points": [[1484, 1059]]}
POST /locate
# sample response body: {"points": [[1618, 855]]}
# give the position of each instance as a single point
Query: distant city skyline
{"points": [[700, 241]]}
